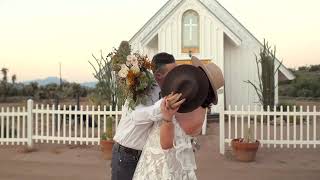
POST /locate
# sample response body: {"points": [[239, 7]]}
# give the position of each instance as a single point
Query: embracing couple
{"points": [[154, 141]]}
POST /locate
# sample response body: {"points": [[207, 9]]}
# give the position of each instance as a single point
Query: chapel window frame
{"points": [[194, 49]]}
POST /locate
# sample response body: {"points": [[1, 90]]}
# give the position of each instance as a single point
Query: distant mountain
{"points": [[89, 84], [56, 80], [46, 81]]}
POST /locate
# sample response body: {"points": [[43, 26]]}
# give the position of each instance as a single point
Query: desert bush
{"points": [[314, 68]]}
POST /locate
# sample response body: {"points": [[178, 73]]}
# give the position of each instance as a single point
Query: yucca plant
{"points": [[245, 149], [248, 137]]}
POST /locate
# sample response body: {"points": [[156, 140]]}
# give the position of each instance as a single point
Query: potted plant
{"points": [[106, 141], [245, 149]]}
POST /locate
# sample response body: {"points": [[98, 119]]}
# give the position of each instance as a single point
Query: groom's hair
{"points": [[160, 60]]}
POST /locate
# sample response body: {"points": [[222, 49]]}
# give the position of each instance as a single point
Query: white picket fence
{"points": [[290, 128], [50, 124], [62, 124]]}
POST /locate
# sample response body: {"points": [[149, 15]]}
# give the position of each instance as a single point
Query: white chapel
{"points": [[204, 28]]}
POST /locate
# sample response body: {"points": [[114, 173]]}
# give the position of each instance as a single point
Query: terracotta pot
{"points": [[106, 148], [244, 151]]}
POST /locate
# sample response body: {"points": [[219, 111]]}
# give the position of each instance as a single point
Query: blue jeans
{"points": [[123, 164]]}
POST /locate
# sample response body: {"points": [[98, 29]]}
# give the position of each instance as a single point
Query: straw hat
{"points": [[213, 73]]}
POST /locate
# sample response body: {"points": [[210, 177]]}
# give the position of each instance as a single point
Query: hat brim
{"points": [[178, 81], [196, 62]]}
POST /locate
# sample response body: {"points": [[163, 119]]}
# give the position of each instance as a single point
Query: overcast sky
{"points": [[35, 35]]}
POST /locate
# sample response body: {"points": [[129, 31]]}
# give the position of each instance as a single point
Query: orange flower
{"points": [[146, 64], [131, 78]]}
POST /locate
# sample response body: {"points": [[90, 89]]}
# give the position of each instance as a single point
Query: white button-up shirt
{"points": [[135, 125]]}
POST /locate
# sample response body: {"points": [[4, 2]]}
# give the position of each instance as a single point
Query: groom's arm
{"points": [[146, 114], [150, 114]]}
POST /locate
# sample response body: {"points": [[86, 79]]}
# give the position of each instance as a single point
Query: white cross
{"points": [[190, 25]]}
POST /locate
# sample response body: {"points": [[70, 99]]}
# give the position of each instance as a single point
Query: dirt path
{"points": [[65, 162]]}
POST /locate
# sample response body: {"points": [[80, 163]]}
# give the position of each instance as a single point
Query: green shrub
{"points": [[304, 93], [314, 68], [305, 85], [108, 135], [286, 104], [303, 68]]}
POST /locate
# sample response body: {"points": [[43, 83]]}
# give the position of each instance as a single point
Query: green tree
{"points": [[4, 84], [303, 68], [14, 79], [5, 74], [12, 88], [52, 90], [30, 89], [76, 92]]}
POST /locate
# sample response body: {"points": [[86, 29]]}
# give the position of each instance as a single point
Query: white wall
{"points": [[216, 43], [240, 66], [169, 33]]}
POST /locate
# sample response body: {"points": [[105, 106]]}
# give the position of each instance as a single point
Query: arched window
{"points": [[190, 32]]}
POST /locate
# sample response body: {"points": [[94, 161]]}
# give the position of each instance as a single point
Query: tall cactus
{"points": [[266, 88]]}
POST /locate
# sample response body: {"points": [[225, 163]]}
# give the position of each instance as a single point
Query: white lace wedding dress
{"points": [[177, 163]]}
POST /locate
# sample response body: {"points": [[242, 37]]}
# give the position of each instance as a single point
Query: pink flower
{"points": [[132, 60]]}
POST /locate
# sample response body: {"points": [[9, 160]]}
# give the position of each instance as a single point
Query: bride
{"points": [[168, 153]]}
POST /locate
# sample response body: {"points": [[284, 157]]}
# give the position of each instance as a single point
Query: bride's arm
{"points": [[167, 127], [166, 134]]}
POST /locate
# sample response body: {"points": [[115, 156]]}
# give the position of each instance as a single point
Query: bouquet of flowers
{"points": [[136, 79]]}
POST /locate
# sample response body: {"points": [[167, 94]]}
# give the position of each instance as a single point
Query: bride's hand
{"points": [[173, 100], [170, 105]]}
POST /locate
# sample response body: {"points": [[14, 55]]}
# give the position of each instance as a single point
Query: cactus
{"points": [[266, 87]]}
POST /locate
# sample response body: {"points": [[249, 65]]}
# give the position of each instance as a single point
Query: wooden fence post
{"points": [[221, 130], [30, 123], [204, 125]]}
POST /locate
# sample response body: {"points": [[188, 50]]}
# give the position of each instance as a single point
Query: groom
{"points": [[134, 127]]}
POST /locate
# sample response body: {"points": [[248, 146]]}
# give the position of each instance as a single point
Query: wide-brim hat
{"points": [[189, 80], [213, 73]]}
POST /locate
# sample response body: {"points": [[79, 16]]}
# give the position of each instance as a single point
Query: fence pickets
{"points": [[289, 127], [284, 127], [51, 124]]}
